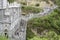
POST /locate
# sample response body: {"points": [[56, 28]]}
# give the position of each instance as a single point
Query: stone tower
{"points": [[3, 4], [11, 24]]}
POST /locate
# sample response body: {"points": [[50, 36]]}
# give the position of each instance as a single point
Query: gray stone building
{"points": [[11, 23]]}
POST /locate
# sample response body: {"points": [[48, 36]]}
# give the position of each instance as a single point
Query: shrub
{"points": [[24, 3], [10, 1], [51, 21], [37, 5], [30, 9]]}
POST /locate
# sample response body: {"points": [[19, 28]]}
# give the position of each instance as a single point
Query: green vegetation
{"points": [[50, 36], [31, 9], [37, 5], [3, 38], [57, 2], [10, 1], [23, 3], [50, 22]]}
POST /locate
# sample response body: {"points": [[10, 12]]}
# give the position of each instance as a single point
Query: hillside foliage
{"points": [[50, 22]]}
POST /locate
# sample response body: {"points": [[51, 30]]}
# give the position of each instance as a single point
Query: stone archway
{"points": [[6, 33]]}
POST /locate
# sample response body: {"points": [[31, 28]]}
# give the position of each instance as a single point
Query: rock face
{"points": [[11, 24]]}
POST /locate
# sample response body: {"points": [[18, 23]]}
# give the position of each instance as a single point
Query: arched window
{"points": [[22, 23], [16, 32], [5, 33]]}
